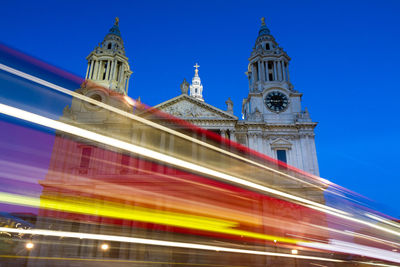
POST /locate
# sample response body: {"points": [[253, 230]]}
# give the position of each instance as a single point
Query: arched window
{"points": [[109, 46]]}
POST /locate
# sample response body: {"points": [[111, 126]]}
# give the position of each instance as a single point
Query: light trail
{"points": [[141, 214], [158, 243], [116, 261], [378, 218], [351, 248], [53, 124], [57, 125], [155, 125], [354, 234]]}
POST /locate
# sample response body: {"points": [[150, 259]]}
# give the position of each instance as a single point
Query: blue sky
{"points": [[345, 57]]}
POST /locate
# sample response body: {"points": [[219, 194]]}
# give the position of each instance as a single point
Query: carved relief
{"points": [[185, 109]]}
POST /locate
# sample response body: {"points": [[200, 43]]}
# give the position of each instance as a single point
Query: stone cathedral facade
{"points": [[273, 121]]}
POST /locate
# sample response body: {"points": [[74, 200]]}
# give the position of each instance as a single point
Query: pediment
{"points": [[189, 108], [280, 143]]}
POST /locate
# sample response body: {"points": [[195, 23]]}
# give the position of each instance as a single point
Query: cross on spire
{"points": [[196, 71]]}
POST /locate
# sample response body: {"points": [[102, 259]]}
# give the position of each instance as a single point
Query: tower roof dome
{"points": [[115, 28], [263, 29]]}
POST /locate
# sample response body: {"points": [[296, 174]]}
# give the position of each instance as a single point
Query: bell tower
{"points": [[275, 122], [108, 65]]}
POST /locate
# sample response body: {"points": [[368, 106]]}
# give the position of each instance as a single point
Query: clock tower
{"points": [[276, 124]]}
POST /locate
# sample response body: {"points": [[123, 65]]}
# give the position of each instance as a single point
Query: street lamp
{"points": [[29, 245], [104, 247], [295, 252]]}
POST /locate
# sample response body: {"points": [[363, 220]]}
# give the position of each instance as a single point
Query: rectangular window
{"points": [[85, 157], [281, 155]]}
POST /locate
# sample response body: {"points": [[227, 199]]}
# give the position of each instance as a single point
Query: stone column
{"points": [[112, 70], [261, 71], [127, 84], [108, 70], [275, 74], [87, 70], [98, 69], [223, 133], [284, 70], [260, 142], [255, 74], [94, 69], [232, 135], [122, 74], [279, 70], [266, 71], [287, 70], [91, 69]]}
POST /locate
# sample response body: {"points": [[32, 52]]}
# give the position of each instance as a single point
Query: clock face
{"points": [[276, 101]]}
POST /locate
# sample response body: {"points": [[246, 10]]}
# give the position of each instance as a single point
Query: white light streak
{"points": [[351, 248], [157, 243], [378, 218]]}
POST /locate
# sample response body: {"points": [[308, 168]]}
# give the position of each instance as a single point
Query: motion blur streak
{"points": [[346, 247], [376, 264], [155, 125], [372, 216], [117, 261], [31, 117], [112, 210], [158, 243]]}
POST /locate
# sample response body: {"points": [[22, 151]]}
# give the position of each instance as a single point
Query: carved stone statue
{"points": [[229, 105], [184, 87]]}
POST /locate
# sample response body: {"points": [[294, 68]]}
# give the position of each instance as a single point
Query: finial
{"points": [[196, 70], [116, 21], [262, 21]]}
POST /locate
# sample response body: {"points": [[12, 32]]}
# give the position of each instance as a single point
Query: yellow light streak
{"points": [[157, 243], [117, 211], [57, 125]]}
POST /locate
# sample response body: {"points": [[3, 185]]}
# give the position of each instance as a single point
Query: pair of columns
{"points": [[94, 70], [224, 133], [279, 71]]}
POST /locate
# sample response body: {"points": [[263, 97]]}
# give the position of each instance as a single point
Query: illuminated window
{"points": [[281, 155]]}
